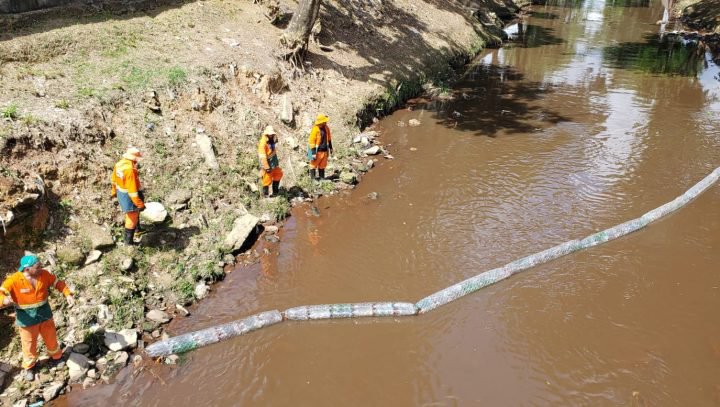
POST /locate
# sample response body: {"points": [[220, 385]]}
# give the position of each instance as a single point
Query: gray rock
{"points": [[370, 163], [414, 122], [59, 317], [101, 364], [137, 360], [172, 359], [127, 263], [158, 316], [92, 373], [121, 359], [242, 228], [52, 391], [21, 403], [206, 148], [179, 196], [93, 257], [115, 341], [272, 229], [348, 177], [154, 212], [286, 109], [88, 382], [81, 348], [104, 316], [182, 310], [291, 142], [99, 237], [201, 291], [373, 196], [78, 365], [374, 150], [70, 255]]}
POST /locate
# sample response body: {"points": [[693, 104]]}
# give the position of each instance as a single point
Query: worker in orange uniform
{"points": [[126, 186], [28, 290], [319, 147], [270, 171]]}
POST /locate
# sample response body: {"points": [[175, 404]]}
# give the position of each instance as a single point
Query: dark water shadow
{"points": [[544, 15], [559, 3], [35, 22], [495, 100], [667, 56], [533, 36], [628, 3]]}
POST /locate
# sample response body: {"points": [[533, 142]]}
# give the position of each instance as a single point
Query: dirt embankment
{"points": [[701, 15], [80, 86]]}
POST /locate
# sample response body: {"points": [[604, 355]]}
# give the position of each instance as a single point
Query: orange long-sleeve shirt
{"points": [[31, 302]]}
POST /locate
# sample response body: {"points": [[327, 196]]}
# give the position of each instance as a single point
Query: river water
{"points": [[584, 121]]}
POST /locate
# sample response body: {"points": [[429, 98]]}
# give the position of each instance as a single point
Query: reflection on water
{"points": [[669, 55]]}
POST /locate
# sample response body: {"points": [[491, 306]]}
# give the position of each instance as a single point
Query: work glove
{"points": [[7, 301]]}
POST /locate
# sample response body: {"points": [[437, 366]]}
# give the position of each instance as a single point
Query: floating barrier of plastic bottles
{"points": [[193, 340], [365, 309], [479, 281]]}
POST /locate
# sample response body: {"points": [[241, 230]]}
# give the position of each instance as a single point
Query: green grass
{"points": [[29, 119], [10, 111], [176, 76], [62, 104]]}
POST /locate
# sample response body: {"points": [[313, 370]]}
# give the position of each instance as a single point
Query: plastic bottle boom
{"points": [[194, 340]]}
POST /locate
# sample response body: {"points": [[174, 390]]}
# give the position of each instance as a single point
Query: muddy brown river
{"points": [[586, 120]]}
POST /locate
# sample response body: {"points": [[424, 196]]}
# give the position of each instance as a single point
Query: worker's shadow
{"points": [[167, 237]]}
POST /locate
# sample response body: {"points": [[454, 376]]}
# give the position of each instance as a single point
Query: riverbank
{"points": [[171, 80], [701, 15]]}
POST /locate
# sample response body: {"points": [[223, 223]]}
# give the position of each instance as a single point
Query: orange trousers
{"points": [[28, 339], [132, 219], [266, 178], [320, 161]]}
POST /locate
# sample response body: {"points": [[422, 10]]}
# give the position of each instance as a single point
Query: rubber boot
{"points": [[129, 236], [322, 173], [312, 173], [265, 192], [275, 188]]}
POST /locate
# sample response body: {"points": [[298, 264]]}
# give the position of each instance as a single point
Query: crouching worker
{"points": [[270, 172], [28, 290], [126, 186]]}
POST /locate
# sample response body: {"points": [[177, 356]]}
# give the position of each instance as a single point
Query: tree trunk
{"points": [[296, 35]]}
